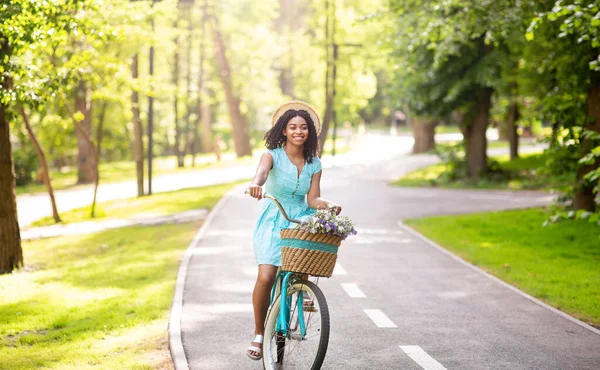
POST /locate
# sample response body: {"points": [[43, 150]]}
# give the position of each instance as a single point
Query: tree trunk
{"points": [[138, 131], [189, 126], [178, 133], [511, 129], [85, 155], [207, 144], [98, 155], [476, 141], [239, 125], [204, 113], [328, 72], [584, 191], [45, 173], [284, 26], [11, 253], [423, 133]]}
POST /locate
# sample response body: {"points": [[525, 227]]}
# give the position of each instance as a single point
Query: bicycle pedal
{"points": [[309, 306]]}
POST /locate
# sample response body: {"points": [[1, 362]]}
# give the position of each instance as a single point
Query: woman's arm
{"points": [[262, 173], [314, 195]]}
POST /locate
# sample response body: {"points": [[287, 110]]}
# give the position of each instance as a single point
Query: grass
{"points": [[524, 173], [559, 264], [154, 205], [98, 301], [491, 144]]}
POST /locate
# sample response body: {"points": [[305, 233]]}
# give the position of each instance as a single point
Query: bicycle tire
{"points": [[269, 362]]}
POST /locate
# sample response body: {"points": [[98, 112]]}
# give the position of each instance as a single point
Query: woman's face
{"points": [[296, 131]]}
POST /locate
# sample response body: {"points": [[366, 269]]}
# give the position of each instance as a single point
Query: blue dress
{"points": [[290, 189]]}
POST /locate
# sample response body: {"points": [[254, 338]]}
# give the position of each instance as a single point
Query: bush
{"points": [[454, 156], [26, 165]]}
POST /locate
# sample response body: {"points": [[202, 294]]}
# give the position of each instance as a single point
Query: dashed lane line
{"points": [[418, 355], [380, 319], [338, 270], [353, 290]]}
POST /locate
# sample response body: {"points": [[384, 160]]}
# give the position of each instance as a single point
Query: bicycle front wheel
{"points": [[294, 351]]}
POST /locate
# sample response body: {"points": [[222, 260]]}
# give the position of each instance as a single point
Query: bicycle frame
{"points": [[281, 283]]}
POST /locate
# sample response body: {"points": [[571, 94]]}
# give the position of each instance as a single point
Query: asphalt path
{"points": [[396, 301]]}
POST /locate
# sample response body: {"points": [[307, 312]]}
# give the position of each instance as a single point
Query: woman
{"points": [[291, 171]]}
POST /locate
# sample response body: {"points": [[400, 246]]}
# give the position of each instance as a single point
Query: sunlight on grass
{"points": [[559, 264], [424, 176], [154, 205], [97, 301], [525, 173]]}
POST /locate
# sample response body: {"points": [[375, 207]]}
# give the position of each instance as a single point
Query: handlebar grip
{"points": [[269, 196]]}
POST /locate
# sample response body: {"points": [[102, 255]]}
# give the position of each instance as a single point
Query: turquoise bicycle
{"points": [[297, 325]]}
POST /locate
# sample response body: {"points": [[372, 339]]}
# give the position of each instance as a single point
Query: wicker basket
{"points": [[313, 254]]}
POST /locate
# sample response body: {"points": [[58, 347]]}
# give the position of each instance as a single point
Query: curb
{"points": [[497, 280], [175, 339]]}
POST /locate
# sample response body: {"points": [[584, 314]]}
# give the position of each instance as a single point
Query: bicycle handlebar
{"points": [[266, 195]]}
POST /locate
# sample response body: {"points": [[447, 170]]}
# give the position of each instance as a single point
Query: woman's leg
{"points": [[261, 298]]}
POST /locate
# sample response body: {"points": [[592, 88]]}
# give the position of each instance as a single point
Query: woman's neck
{"points": [[294, 151]]}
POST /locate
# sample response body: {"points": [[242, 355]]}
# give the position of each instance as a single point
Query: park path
{"points": [[396, 301]]}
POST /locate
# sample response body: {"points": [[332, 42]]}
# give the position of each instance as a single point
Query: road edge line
{"points": [[175, 339], [497, 280]]}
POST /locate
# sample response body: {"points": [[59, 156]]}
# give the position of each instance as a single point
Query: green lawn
{"points": [[524, 173], [559, 264], [155, 205], [492, 144], [98, 301]]}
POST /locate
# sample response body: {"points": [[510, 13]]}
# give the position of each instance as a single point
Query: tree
{"points": [[22, 23], [454, 52], [239, 123], [138, 129], [43, 162], [566, 38]]}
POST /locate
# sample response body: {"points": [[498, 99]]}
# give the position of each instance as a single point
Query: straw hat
{"points": [[297, 105]]}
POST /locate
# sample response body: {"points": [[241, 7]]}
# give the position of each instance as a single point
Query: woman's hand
{"points": [[255, 191], [338, 210], [335, 208]]}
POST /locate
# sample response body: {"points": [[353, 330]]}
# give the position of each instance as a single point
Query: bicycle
{"points": [[297, 327]]}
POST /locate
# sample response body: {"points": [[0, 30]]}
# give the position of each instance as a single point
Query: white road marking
{"points": [[353, 290], [360, 240], [338, 270], [381, 232], [380, 319], [422, 358]]}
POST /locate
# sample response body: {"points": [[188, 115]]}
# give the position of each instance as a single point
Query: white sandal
{"points": [[257, 339]]}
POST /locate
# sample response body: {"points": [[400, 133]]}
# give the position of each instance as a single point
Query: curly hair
{"points": [[274, 138]]}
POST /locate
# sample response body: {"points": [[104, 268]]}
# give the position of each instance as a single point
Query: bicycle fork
{"points": [[282, 326]]}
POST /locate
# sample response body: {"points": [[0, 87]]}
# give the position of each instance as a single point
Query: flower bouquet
{"points": [[311, 247], [326, 222]]}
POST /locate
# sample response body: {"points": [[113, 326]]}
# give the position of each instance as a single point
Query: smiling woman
{"points": [[291, 171]]}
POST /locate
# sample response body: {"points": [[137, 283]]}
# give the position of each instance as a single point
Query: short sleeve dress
{"points": [[290, 189]]}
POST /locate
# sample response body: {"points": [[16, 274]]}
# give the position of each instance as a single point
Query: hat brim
{"points": [[297, 105]]}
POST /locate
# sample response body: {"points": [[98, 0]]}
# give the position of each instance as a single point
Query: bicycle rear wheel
{"points": [[292, 351]]}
